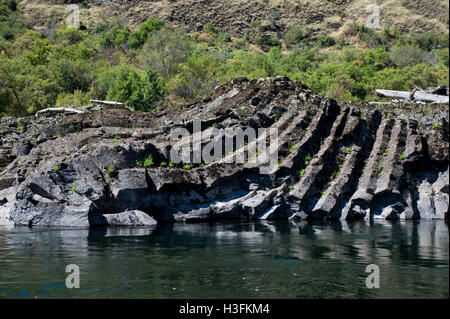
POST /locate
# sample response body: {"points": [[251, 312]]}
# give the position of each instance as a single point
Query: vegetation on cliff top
{"points": [[158, 66]]}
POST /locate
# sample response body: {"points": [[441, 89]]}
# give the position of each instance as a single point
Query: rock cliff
{"points": [[112, 166]]}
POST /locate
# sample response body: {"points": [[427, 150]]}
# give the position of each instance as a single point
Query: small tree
{"points": [[138, 92]]}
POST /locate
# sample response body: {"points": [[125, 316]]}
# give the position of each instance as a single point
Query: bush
{"points": [[428, 41], [224, 38], [39, 53], [405, 56], [100, 28], [24, 89], [267, 42], [12, 22], [71, 75], [325, 41], [138, 92], [442, 56], [75, 99], [197, 77], [165, 51], [68, 36], [294, 35], [211, 29], [138, 38], [115, 38]]}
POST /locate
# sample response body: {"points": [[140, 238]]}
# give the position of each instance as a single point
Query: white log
{"points": [[106, 102], [418, 96], [59, 110]]}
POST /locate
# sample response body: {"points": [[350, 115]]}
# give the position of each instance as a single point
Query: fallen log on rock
{"points": [[106, 102], [413, 96], [59, 110]]}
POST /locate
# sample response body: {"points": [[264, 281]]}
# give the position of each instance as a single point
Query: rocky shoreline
{"points": [[336, 161]]}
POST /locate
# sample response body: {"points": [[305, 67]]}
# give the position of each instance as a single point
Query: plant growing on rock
{"points": [[74, 186], [335, 174], [300, 173], [292, 148], [55, 168], [307, 159], [148, 162], [380, 169]]}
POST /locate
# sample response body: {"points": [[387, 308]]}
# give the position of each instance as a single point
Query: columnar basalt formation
{"points": [[335, 161]]}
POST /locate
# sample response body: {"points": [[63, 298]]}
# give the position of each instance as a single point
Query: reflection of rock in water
{"points": [[364, 242], [128, 231]]}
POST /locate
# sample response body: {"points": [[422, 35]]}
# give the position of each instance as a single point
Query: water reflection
{"points": [[277, 260]]}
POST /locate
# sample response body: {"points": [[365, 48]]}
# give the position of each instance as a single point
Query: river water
{"points": [[229, 260]]}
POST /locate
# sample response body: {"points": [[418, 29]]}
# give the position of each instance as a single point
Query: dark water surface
{"points": [[229, 260]]}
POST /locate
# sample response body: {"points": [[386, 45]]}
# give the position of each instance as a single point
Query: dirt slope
{"points": [[235, 16]]}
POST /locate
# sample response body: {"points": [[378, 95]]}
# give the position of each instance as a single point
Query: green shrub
{"points": [[72, 75], [224, 37], [294, 36], [268, 41], [100, 28], [428, 41], [211, 29], [166, 51], [325, 41], [75, 99], [140, 92], [138, 38], [68, 35], [115, 37], [405, 56], [148, 162]]}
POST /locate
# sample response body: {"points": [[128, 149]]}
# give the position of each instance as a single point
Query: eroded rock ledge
{"points": [[336, 161]]}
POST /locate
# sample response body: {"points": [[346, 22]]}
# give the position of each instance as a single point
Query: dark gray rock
{"points": [[130, 218], [90, 169]]}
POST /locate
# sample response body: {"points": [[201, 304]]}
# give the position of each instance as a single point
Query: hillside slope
{"points": [[236, 16]]}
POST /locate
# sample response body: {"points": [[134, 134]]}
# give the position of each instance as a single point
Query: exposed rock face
{"points": [[129, 218], [335, 162]]}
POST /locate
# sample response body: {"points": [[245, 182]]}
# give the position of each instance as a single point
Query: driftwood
{"points": [[414, 96], [59, 110], [106, 102]]}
